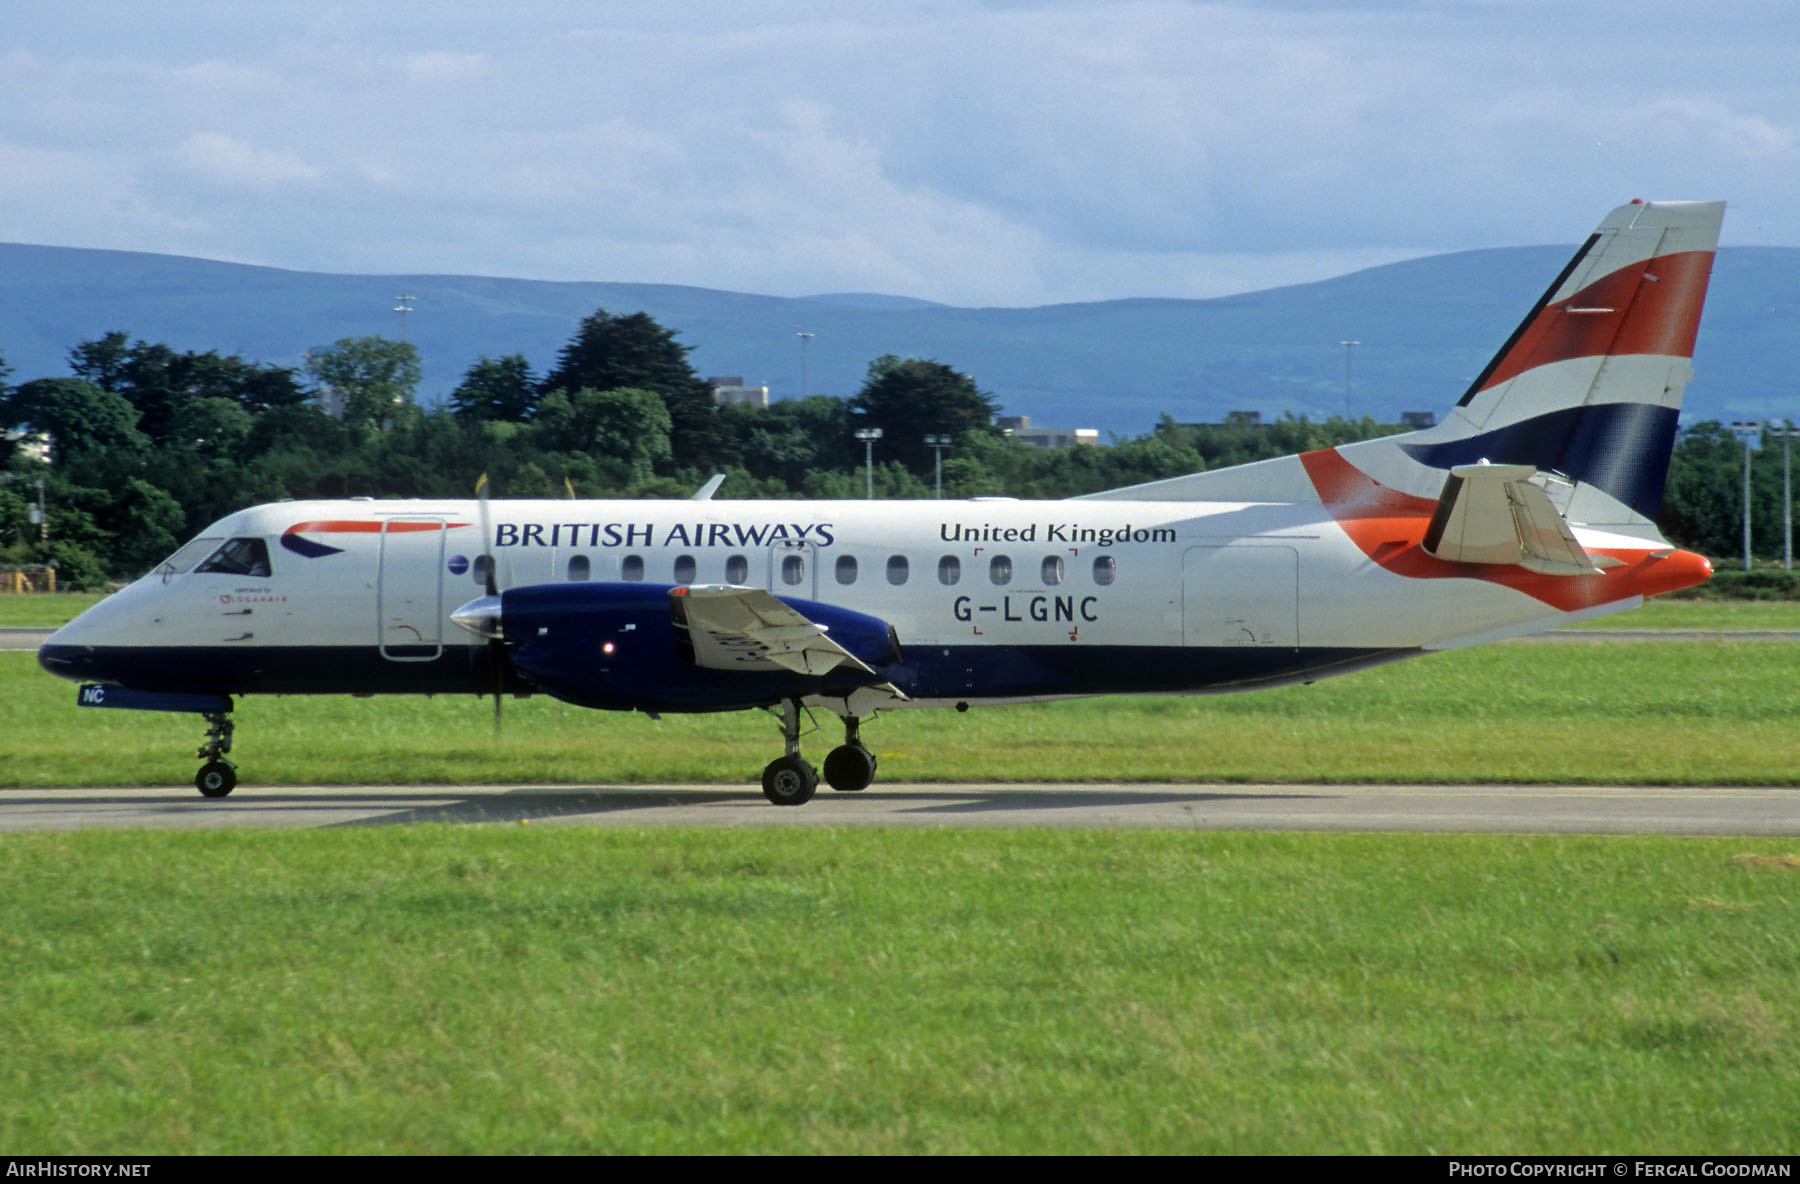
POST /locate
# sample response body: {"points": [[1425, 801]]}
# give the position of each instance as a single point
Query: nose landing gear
{"points": [[218, 776]]}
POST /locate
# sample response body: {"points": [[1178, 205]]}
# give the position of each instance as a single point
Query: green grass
{"points": [[1704, 614], [43, 610], [1701, 712], [509, 989], [472, 989]]}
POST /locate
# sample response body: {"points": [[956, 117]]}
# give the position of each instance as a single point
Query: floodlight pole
{"points": [[1349, 348], [1750, 432], [937, 443], [805, 340], [1787, 494], [868, 436]]}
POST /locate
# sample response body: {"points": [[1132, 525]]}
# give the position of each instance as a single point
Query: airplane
{"points": [[1529, 506]]}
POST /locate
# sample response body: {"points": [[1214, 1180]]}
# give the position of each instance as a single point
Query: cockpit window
{"points": [[185, 558], [239, 557]]}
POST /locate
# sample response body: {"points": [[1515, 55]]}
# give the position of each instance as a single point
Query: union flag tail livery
{"points": [[1530, 505]]}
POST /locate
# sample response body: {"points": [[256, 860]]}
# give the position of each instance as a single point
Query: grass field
{"points": [[43, 609], [510, 989]]}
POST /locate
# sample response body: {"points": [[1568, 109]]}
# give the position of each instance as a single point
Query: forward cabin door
{"points": [[794, 570], [1241, 594], [409, 588]]}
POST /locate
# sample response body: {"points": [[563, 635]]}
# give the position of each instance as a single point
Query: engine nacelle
{"points": [[615, 646]]}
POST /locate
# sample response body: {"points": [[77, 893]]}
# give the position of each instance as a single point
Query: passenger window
{"points": [[579, 570], [684, 569], [239, 557], [737, 570], [897, 569], [846, 569], [632, 568], [1053, 570], [478, 571], [1000, 569], [949, 569], [793, 569], [1104, 570]]}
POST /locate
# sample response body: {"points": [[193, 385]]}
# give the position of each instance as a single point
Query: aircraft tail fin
{"points": [[1589, 386], [1586, 391]]}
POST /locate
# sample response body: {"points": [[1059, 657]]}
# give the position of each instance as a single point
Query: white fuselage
{"points": [[357, 594]]}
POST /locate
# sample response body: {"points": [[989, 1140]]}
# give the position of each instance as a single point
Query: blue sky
{"points": [[1002, 153]]}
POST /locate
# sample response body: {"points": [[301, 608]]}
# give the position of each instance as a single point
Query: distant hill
{"points": [[1426, 327]]}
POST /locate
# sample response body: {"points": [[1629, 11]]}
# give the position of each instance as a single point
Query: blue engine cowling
{"points": [[615, 646]]}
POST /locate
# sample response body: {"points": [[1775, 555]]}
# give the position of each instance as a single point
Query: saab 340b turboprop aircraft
{"points": [[1528, 507]]}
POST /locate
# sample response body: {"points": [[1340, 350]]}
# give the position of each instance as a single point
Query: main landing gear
{"points": [[790, 780], [850, 766], [218, 776]]}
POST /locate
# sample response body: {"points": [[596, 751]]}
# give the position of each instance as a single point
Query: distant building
{"points": [[36, 445], [1419, 419], [730, 388], [1018, 427], [330, 400]]}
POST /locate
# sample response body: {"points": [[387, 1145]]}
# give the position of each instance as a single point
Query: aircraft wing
{"points": [[723, 627], [1496, 514]]}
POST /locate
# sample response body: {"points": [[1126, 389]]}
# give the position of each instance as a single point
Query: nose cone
{"points": [[480, 616], [62, 655], [93, 646]]}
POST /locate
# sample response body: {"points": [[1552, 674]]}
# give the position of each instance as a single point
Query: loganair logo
{"points": [[293, 538]]}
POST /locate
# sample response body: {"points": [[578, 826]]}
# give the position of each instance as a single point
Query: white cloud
{"points": [[956, 150], [229, 161]]}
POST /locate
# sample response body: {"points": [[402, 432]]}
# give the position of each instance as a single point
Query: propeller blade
{"points": [[487, 537], [496, 645]]}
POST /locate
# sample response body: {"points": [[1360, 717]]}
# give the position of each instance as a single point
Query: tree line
{"points": [[147, 445]]}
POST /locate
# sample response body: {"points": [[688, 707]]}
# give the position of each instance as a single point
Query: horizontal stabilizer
{"points": [[1496, 514]]}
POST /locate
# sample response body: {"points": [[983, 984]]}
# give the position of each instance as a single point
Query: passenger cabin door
{"points": [[409, 589]]}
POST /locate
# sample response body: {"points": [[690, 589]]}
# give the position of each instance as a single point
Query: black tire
{"points": [[216, 779], [789, 781], [849, 767]]}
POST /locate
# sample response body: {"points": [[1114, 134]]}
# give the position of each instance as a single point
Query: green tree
{"points": [[1703, 497], [373, 379], [158, 381], [907, 398], [792, 439], [496, 388], [634, 352], [89, 427], [629, 426], [102, 361]]}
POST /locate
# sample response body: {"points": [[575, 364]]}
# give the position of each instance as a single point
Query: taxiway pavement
{"points": [[1440, 808]]}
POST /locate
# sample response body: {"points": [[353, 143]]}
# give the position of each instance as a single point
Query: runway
{"points": [[1385, 808]]}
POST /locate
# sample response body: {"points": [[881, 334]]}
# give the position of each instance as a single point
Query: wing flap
{"points": [[732, 628]]}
